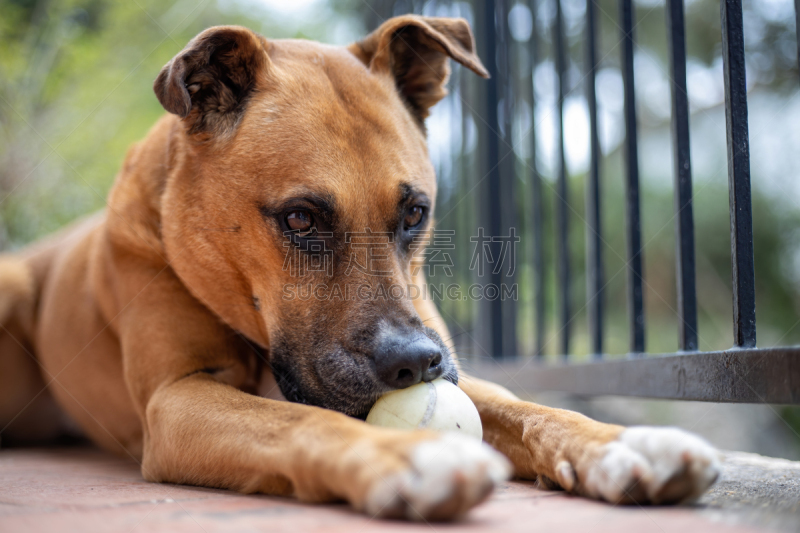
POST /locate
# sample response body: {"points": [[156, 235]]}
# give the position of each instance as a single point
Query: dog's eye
{"points": [[414, 216], [300, 222]]}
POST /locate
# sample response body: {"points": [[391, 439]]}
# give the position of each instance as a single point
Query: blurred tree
{"points": [[76, 91]]}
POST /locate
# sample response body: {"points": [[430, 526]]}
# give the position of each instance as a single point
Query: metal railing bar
{"points": [[768, 375], [594, 240], [631, 164], [562, 219], [507, 174], [495, 215], [743, 273], [797, 27], [684, 227], [537, 203]]}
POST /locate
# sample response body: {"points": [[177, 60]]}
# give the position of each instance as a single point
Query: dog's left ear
{"points": [[414, 50], [209, 82]]}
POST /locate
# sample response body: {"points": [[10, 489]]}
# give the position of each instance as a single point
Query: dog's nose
{"points": [[402, 361]]}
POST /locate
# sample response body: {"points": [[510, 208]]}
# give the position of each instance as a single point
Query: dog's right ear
{"points": [[209, 82], [414, 50]]}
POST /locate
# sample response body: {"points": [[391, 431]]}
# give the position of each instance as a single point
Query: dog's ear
{"points": [[415, 50], [209, 82]]}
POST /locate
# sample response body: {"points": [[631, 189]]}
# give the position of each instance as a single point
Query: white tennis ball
{"points": [[437, 405]]}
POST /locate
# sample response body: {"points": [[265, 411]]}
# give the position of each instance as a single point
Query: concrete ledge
{"points": [[754, 489]]}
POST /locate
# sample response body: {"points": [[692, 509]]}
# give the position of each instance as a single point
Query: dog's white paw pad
{"points": [[684, 465], [656, 465], [446, 477]]}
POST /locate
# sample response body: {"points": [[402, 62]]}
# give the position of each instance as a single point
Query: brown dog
{"points": [[162, 325]]}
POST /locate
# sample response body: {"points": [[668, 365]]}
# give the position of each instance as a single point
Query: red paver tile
{"points": [[85, 491]]}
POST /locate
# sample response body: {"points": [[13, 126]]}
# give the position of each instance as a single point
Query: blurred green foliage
{"points": [[76, 91]]}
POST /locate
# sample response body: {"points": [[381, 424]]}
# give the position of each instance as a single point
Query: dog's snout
{"points": [[405, 360]]}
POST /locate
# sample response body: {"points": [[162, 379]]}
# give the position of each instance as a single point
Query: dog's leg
{"points": [[28, 413], [566, 449], [204, 432], [184, 370]]}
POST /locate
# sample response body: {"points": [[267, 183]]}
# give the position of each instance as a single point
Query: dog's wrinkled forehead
{"points": [[328, 125]]}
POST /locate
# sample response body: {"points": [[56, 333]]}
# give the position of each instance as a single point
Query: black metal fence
{"points": [[744, 373]]}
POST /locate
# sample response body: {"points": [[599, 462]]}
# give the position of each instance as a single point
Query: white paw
{"points": [[446, 477], [655, 465]]}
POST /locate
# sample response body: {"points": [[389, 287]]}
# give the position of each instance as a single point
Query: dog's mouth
{"points": [[448, 377], [363, 416], [342, 387], [332, 381]]}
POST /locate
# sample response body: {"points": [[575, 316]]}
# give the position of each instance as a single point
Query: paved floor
{"points": [[84, 490]]}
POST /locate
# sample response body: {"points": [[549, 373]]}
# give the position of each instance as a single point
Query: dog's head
{"points": [[299, 192]]}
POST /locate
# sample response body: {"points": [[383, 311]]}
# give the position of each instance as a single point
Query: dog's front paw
{"points": [[645, 465], [443, 479]]}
